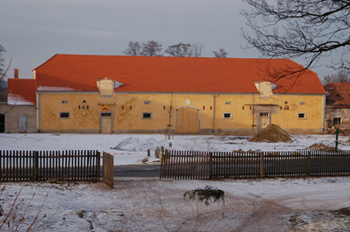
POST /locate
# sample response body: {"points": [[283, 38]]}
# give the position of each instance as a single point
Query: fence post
{"points": [[336, 139], [210, 165], [308, 163], [98, 158], [161, 157], [36, 165], [261, 164]]}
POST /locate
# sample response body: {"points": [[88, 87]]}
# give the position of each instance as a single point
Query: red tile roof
{"points": [[169, 74], [21, 92], [338, 94]]}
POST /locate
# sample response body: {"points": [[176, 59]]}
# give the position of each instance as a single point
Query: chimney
{"points": [[16, 73]]}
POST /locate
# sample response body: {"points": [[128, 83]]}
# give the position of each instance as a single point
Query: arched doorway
{"points": [[187, 119]]}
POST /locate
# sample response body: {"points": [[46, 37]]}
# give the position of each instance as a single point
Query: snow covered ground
{"points": [[150, 204], [132, 149]]}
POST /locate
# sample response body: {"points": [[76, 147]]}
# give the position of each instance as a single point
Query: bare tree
{"points": [[184, 50], [196, 50], [151, 48], [133, 49], [221, 53], [2, 65], [341, 76], [179, 50], [3, 72], [300, 28]]}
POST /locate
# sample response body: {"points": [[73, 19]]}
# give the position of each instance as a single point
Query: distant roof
{"points": [[169, 74], [21, 91], [338, 94]]}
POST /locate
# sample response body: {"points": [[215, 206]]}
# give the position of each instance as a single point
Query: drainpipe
{"points": [[323, 113], [213, 130], [38, 111]]}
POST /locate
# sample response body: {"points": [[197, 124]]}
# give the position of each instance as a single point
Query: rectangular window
{"points": [[301, 115], [106, 114], [227, 115], [147, 102], [64, 115], [337, 121], [264, 114], [146, 115], [64, 101], [227, 103], [302, 103]]}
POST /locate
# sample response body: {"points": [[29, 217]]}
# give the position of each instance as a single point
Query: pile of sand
{"points": [[321, 147], [272, 134], [342, 132]]}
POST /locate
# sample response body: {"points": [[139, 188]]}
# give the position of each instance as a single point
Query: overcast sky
{"points": [[32, 31]]}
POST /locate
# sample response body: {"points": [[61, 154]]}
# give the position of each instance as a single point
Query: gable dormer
{"points": [[106, 87], [265, 88]]}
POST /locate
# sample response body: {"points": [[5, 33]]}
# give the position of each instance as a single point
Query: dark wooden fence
{"points": [[209, 165], [46, 165]]}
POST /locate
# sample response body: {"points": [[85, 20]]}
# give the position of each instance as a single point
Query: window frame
{"points": [[147, 102], [63, 117], [227, 113], [144, 113], [264, 114], [340, 119], [64, 101], [301, 117], [227, 102]]}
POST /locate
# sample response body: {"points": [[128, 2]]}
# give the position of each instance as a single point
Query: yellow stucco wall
{"points": [[127, 111]]}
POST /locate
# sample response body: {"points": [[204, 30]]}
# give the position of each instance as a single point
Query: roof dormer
{"points": [[265, 88], [106, 87]]}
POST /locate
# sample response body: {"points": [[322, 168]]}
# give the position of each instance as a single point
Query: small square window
{"points": [[64, 115], [227, 115], [146, 115], [64, 101], [301, 115], [147, 102], [227, 102], [337, 121], [264, 114], [302, 103]]}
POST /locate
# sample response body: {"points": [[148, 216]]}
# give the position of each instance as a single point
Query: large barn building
{"points": [[134, 94]]}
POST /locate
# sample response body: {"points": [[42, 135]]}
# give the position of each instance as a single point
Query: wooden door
{"points": [[22, 124], [106, 123], [2, 123], [264, 120], [187, 120]]}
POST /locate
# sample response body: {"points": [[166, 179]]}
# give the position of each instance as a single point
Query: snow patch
{"points": [[53, 88], [137, 144], [117, 84], [15, 99]]}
